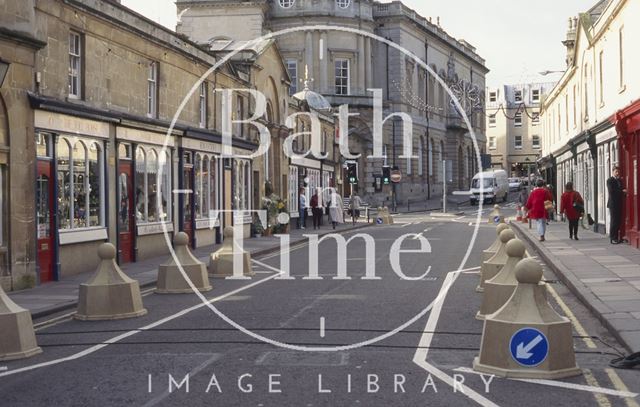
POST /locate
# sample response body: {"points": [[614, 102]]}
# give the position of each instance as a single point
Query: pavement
{"points": [[50, 298], [605, 277]]}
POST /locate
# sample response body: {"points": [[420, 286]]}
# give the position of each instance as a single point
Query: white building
{"points": [[514, 133], [580, 142]]}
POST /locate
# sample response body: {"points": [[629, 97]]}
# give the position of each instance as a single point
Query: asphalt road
{"points": [[138, 361]]}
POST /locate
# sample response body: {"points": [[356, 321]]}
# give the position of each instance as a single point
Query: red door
{"points": [[44, 215], [187, 207], [125, 212]]}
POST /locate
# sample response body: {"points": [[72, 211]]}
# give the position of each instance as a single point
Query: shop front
{"points": [[71, 193], [627, 122], [144, 193]]}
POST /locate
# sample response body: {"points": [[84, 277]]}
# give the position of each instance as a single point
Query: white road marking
{"points": [[3, 368], [322, 327], [619, 384], [406, 224], [125, 335], [420, 357], [566, 385]]}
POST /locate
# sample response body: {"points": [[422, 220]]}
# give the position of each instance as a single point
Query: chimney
{"points": [[570, 41]]}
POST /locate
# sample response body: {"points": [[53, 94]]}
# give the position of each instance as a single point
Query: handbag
{"points": [[578, 205], [548, 205]]}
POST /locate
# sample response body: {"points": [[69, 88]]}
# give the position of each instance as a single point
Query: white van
{"points": [[494, 185]]}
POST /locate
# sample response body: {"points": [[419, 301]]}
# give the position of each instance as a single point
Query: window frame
{"points": [[160, 160], [203, 104], [535, 95], [492, 121], [517, 145], [286, 4], [518, 95], [493, 143], [343, 4], [77, 56], [152, 90], [292, 70], [535, 145], [517, 120], [339, 87], [493, 97]]}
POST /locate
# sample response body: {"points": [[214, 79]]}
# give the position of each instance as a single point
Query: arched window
{"points": [[213, 204], [141, 185], [152, 186], [80, 185], [165, 187], [286, 3], [65, 202]]}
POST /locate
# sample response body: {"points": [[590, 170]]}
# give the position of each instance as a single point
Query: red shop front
{"points": [[627, 123]]}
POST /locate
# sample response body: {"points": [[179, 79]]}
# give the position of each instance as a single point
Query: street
{"points": [[145, 361]]}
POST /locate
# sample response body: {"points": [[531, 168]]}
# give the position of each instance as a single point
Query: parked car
{"points": [[515, 184], [491, 186]]}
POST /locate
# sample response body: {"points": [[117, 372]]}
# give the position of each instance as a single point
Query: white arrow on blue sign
{"points": [[529, 347], [379, 221]]}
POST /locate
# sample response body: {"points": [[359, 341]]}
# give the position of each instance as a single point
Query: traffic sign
{"points": [[496, 219], [529, 347], [379, 221], [396, 176]]}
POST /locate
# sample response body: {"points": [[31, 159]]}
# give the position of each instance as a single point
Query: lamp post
{"points": [[4, 68], [545, 73]]}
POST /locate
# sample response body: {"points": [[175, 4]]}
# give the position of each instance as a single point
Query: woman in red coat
{"points": [[572, 206], [536, 209]]}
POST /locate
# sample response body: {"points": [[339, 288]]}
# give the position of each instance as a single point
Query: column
{"points": [[368, 63], [361, 64], [324, 63], [308, 48]]}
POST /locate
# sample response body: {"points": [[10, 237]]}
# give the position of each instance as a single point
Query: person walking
{"points": [[354, 207], [615, 205], [316, 210], [302, 210], [538, 204], [572, 207], [336, 208]]}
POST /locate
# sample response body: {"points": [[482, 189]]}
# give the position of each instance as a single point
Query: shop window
{"points": [[80, 184], [153, 198]]}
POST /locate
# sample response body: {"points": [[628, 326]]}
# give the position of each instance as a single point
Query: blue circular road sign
{"points": [[496, 219], [379, 221], [529, 347]]}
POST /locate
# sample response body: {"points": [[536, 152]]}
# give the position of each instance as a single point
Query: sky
{"points": [[517, 38]]}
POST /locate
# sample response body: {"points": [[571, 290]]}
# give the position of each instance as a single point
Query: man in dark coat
{"points": [[615, 204]]}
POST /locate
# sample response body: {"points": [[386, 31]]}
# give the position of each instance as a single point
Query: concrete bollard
{"points": [[495, 217], [221, 262], [493, 249], [498, 290], [170, 278], [491, 267], [384, 216], [110, 294], [17, 337], [526, 338]]}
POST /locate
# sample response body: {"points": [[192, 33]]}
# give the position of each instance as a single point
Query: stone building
{"points": [[514, 134], [588, 118], [336, 41], [88, 152]]}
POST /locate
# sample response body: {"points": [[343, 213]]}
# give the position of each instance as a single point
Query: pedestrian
{"points": [[302, 209], [336, 208], [615, 205], [354, 207], [572, 207], [316, 210], [538, 205]]}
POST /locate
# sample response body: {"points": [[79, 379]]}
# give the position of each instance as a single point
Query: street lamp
{"points": [[4, 68], [545, 73]]}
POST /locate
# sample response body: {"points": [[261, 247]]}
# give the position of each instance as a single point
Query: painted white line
{"points": [[406, 224], [420, 357], [556, 383], [3, 368], [125, 335], [619, 384], [322, 327], [418, 236]]}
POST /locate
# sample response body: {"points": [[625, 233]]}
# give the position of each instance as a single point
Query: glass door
{"points": [[44, 220]]}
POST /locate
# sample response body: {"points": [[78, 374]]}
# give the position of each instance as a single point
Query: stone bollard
{"points": [[221, 262], [491, 267], [526, 338], [495, 217], [498, 290], [388, 215], [383, 216], [110, 294], [493, 249], [17, 337], [170, 278]]}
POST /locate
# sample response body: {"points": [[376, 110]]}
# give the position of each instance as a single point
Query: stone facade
{"points": [[438, 129], [514, 132]]}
